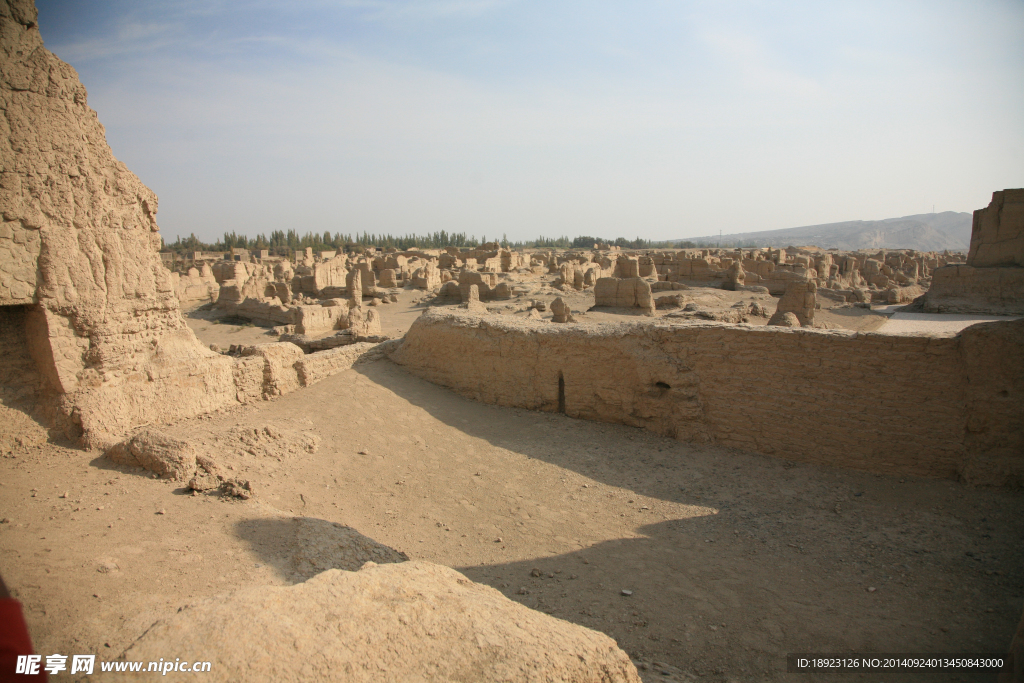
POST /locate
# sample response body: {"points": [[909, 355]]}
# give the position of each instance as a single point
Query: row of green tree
{"points": [[286, 243]]}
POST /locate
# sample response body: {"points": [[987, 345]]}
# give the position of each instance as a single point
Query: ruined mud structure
{"points": [[756, 388], [94, 340], [992, 280], [94, 344], [90, 320], [272, 290]]}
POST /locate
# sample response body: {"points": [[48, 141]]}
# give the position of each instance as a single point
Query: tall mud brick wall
{"points": [[78, 250], [91, 335], [944, 407], [992, 280]]}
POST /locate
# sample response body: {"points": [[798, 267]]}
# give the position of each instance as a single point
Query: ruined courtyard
{"points": [[733, 559], [673, 464]]}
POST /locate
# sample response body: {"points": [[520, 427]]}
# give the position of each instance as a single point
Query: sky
{"points": [[661, 120]]}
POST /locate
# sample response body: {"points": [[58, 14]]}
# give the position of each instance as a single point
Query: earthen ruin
{"points": [[992, 280], [691, 381], [770, 359]]}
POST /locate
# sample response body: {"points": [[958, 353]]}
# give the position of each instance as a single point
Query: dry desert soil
{"points": [[704, 563]]}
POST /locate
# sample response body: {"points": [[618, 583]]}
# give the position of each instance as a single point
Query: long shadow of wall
{"points": [[780, 553], [588, 448], [708, 599]]}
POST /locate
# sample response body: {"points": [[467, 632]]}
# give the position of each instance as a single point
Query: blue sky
{"points": [[657, 119]]}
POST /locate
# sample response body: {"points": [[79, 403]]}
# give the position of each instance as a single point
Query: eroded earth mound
{"points": [[413, 621]]}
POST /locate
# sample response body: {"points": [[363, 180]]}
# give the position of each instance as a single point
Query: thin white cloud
{"points": [[392, 10], [128, 39], [376, 126], [753, 61]]}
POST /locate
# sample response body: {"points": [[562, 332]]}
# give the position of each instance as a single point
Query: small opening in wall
{"points": [[662, 385], [561, 393]]}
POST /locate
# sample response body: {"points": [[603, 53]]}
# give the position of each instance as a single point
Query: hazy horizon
{"points": [[496, 117]]}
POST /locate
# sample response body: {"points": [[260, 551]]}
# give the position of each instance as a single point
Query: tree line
{"points": [[287, 242]]}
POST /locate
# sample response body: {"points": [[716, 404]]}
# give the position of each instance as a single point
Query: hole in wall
{"points": [[662, 385], [22, 352], [561, 393]]}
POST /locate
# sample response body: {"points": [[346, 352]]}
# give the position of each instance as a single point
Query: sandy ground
{"points": [[732, 559], [943, 324], [210, 326]]}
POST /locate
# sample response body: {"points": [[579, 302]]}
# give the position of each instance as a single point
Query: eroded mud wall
{"points": [[992, 280], [993, 361], [868, 401], [883, 403], [78, 242]]}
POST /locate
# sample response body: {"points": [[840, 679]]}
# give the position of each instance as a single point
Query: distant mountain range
{"points": [[924, 232]]}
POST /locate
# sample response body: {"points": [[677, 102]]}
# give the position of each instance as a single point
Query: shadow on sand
{"points": [[770, 557], [301, 547]]}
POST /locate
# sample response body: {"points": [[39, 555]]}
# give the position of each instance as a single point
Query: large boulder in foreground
{"points": [[413, 621], [155, 451]]}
